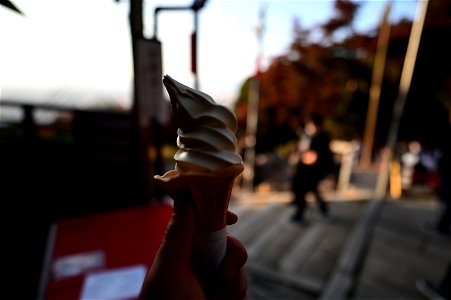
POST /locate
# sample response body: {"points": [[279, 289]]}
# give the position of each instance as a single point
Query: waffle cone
{"points": [[210, 193]]}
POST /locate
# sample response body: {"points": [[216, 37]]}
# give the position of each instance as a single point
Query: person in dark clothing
{"points": [[315, 163]]}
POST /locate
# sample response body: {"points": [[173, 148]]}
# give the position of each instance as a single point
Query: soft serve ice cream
{"points": [[206, 163], [206, 134]]}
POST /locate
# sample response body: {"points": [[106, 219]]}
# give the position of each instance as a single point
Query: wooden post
{"points": [[375, 89], [252, 110], [404, 86], [140, 122]]}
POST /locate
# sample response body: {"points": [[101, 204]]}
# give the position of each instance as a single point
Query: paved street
{"points": [[289, 261]]}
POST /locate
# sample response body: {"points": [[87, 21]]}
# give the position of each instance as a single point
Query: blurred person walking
{"points": [[315, 163], [409, 160]]}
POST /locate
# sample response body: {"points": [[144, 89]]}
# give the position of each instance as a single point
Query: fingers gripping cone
{"points": [[210, 193]]}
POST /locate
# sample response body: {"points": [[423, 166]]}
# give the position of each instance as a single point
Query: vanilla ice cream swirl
{"points": [[206, 133]]}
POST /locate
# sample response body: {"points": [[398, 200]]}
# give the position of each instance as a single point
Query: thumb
{"points": [[177, 244], [174, 253]]}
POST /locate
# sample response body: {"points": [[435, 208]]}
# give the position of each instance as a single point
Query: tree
{"points": [[332, 76]]}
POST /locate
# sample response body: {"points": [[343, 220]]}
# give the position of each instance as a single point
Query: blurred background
{"points": [[85, 122]]}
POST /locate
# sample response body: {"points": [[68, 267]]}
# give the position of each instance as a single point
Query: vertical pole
{"points": [[375, 89], [404, 85], [28, 124], [252, 111], [136, 30], [251, 130], [155, 23], [140, 124], [194, 50]]}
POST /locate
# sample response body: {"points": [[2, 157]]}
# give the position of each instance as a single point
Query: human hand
{"points": [[179, 272]]}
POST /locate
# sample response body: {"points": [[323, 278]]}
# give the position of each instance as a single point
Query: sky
{"points": [[78, 52]]}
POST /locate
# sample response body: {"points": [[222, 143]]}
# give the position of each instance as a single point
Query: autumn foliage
{"points": [[331, 75]]}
